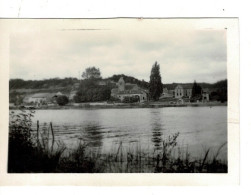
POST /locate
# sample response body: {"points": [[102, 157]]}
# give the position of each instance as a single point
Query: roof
{"points": [[138, 91], [59, 93], [185, 86], [42, 95], [129, 86], [170, 86], [174, 85]]}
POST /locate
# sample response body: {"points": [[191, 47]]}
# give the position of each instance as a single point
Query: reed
{"points": [[29, 150]]}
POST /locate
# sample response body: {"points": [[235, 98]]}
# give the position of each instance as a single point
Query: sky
{"points": [[184, 54]]}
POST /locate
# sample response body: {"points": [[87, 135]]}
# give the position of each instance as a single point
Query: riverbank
{"points": [[105, 105]]}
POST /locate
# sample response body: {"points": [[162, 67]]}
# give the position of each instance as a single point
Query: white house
{"points": [[183, 90], [41, 98]]}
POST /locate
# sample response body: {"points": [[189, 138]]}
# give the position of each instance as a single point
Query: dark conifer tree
{"points": [[155, 86], [196, 90]]}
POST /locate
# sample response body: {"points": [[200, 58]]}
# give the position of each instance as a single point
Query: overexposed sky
{"points": [[184, 54]]}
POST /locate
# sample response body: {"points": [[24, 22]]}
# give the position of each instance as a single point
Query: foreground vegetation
{"points": [[36, 151]]}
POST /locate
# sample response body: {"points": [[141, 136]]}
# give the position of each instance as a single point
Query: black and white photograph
{"points": [[130, 96]]}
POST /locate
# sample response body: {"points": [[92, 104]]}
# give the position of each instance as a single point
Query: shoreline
{"points": [[122, 106]]}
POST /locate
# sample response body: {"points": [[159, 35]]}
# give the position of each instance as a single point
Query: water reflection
{"points": [[156, 129], [103, 127], [92, 134]]}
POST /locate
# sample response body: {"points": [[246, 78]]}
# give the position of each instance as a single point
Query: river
{"points": [[200, 128]]}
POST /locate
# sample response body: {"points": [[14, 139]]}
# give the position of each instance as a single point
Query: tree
{"points": [[155, 86], [62, 100], [91, 73], [196, 90], [90, 91]]}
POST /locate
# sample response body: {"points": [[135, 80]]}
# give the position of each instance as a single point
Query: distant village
{"points": [[121, 92]]}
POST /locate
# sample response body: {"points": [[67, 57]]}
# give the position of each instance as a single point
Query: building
{"points": [[129, 90], [181, 93], [167, 93], [41, 98], [38, 98], [205, 95], [183, 90]]}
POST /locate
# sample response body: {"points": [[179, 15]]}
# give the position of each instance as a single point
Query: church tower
{"points": [[121, 84]]}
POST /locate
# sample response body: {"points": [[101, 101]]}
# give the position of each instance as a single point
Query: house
{"points": [[38, 98], [41, 98], [205, 94], [183, 90], [167, 93], [177, 93], [58, 94], [205, 97], [129, 90]]}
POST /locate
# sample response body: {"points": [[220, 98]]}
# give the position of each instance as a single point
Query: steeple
{"points": [[121, 84]]}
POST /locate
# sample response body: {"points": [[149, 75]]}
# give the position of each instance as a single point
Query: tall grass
{"points": [[137, 160], [28, 153]]}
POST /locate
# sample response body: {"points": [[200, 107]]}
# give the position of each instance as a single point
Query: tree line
{"points": [[40, 84]]}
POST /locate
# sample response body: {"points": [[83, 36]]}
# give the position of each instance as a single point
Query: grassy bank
{"points": [[36, 151], [84, 160]]}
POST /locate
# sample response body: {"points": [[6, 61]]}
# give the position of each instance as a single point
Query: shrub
{"points": [[196, 98], [20, 139], [114, 99], [81, 160], [62, 100], [26, 153], [130, 99]]}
